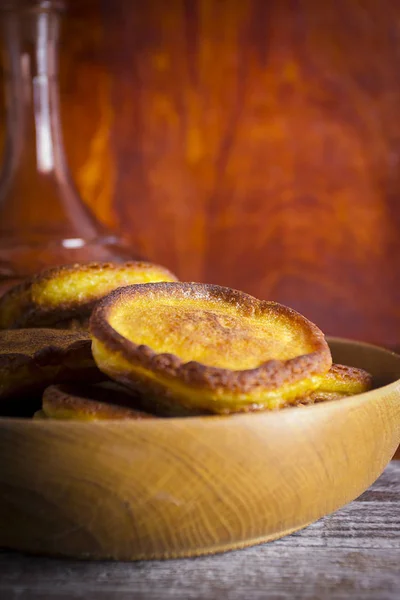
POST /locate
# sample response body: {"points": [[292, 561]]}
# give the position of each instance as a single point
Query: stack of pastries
{"points": [[128, 341]]}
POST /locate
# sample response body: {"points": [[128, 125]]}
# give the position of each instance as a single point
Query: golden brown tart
{"points": [[106, 400], [207, 348], [31, 359], [340, 381], [65, 296]]}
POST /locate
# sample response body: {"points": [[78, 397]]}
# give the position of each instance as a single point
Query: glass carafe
{"points": [[43, 220]]}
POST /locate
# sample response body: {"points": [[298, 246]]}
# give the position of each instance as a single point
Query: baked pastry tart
{"points": [[65, 296], [32, 359], [340, 381], [207, 348], [106, 400]]}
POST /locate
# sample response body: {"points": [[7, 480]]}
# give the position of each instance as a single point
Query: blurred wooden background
{"points": [[252, 143]]}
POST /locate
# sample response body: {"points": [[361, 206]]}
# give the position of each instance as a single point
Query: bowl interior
{"points": [[384, 365]]}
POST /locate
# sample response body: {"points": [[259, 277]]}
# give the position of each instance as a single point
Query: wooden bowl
{"points": [[183, 487]]}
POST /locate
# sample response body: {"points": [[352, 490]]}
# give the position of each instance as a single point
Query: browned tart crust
{"points": [[339, 382], [31, 359], [64, 296], [183, 344], [106, 400]]}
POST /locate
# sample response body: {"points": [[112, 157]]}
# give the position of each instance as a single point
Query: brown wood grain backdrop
{"points": [[253, 143]]}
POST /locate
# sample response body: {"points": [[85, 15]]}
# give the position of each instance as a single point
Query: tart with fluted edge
{"points": [[103, 401], [339, 382], [32, 359], [64, 296], [206, 347]]}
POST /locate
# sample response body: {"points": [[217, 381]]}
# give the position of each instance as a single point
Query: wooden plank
{"points": [[257, 573], [352, 553]]}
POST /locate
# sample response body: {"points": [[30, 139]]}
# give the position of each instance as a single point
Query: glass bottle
{"points": [[43, 220]]}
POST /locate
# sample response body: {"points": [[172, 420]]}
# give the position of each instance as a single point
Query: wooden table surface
{"points": [[354, 553]]}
